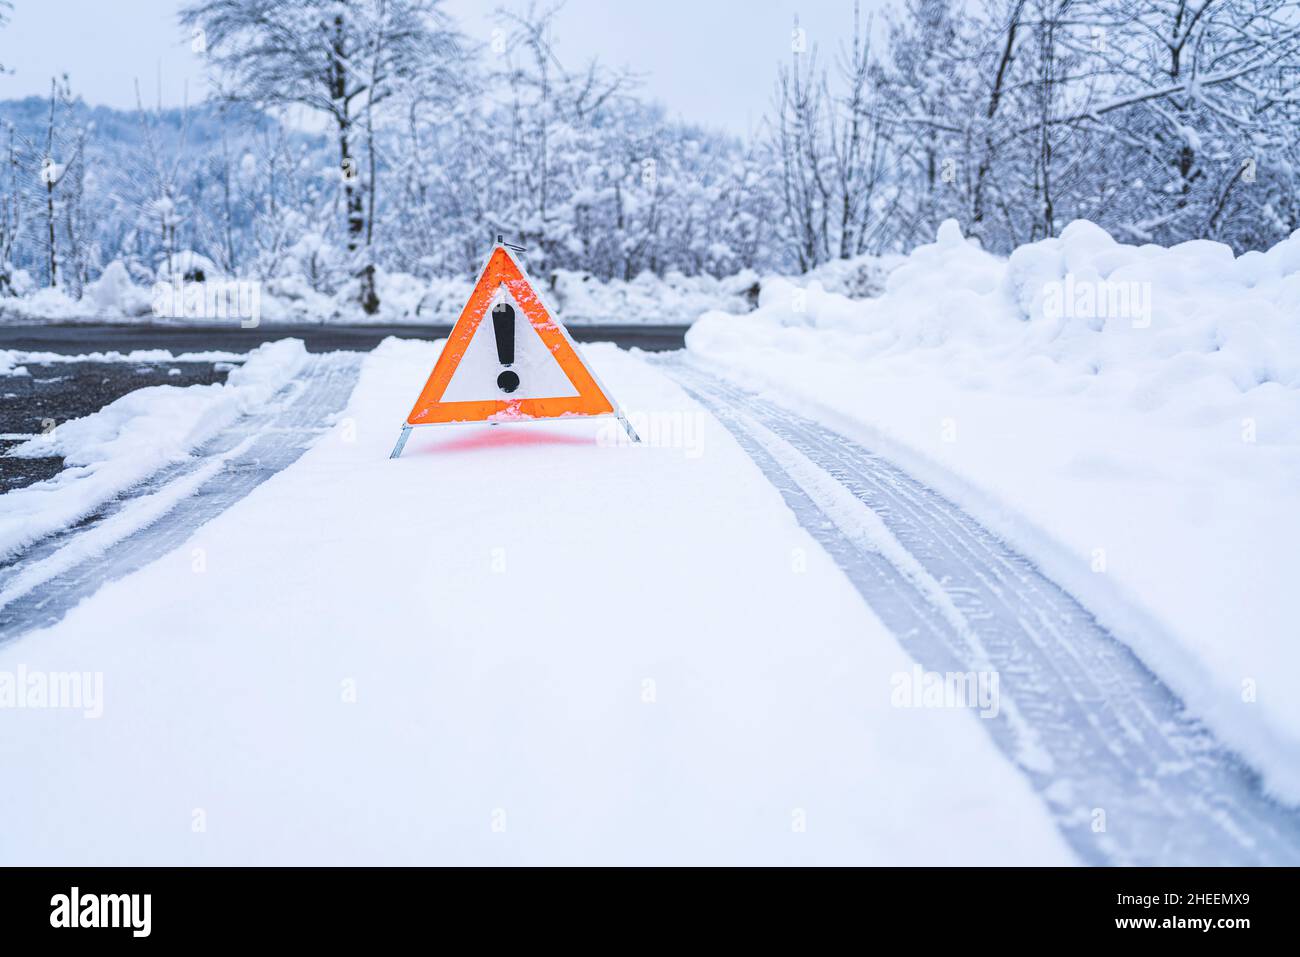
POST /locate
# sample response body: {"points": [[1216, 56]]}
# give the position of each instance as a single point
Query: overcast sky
{"points": [[709, 61]]}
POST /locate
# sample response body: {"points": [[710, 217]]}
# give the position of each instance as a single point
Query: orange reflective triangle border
{"points": [[468, 391]]}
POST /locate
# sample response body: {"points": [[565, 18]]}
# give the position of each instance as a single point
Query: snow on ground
{"points": [[1128, 416], [856, 278], [579, 297], [131, 438], [516, 644], [15, 361]]}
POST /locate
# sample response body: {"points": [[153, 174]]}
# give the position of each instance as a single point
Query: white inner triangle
{"points": [[540, 375]]}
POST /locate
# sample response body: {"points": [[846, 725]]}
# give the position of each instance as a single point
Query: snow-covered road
{"points": [[40, 585], [1129, 775], [540, 644]]}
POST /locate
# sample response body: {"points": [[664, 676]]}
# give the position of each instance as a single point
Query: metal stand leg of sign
{"points": [[401, 441], [627, 426]]}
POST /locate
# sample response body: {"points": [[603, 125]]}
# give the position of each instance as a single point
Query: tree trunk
{"points": [[353, 199], [50, 180], [49, 215], [995, 99]]}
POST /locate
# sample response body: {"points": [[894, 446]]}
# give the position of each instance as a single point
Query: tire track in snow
{"points": [[1088, 723], [40, 586]]}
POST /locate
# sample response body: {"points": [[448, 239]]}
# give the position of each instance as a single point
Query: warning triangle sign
{"points": [[507, 359]]}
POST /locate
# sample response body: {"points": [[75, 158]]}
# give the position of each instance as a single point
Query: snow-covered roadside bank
{"points": [[580, 298], [128, 440], [12, 360], [1147, 457], [515, 644]]}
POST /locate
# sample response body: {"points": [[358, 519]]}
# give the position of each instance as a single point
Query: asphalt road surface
{"points": [[38, 395]]}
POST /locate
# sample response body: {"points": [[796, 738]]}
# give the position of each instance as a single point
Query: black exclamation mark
{"points": [[503, 324]]}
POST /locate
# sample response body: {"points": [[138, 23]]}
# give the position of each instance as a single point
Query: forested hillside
{"points": [[350, 137]]}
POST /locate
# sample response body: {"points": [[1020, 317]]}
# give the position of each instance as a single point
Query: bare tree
{"points": [[63, 138], [163, 203], [342, 58], [801, 146], [10, 212]]}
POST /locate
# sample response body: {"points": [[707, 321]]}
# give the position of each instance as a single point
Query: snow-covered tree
{"points": [[1162, 120], [60, 173], [340, 58]]}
